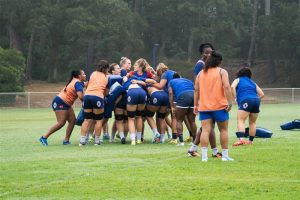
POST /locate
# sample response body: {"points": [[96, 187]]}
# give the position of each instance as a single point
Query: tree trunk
{"points": [[90, 55], [14, 38], [190, 45], [253, 33], [29, 56], [267, 7], [271, 65], [137, 6]]}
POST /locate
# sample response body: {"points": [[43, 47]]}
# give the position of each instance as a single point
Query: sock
{"points": [[224, 153], [138, 135], [174, 136], [132, 136], [82, 139], [180, 136], [154, 131], [162, 137], [121, 134], [97, 139], [204, 152], [193, 147], [240, 135], [215, 151], [251, 138]]}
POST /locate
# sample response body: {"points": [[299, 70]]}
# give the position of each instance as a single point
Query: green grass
{"points": [[268, 170]]}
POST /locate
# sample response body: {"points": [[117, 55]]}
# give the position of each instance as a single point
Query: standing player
{"points": [[213, 101], [205, 51], [248, 95], [62, 106], [183, 91], [93, 102]]}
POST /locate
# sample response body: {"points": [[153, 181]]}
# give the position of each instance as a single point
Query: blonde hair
{"points": [[143, 64], [123, 60], [161, 68]]}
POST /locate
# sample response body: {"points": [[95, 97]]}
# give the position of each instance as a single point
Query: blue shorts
{"points": [[185, 100], [250, 105], [136, 96], [122, 103], [59, 104], [158, 98], [108, 107], [92, 102], [218, 115]]}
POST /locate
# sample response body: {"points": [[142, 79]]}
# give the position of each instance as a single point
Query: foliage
{"points": [[11, 70], [74, 34]]}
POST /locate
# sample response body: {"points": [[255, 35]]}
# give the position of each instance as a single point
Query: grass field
{"points": [[270, 169]]}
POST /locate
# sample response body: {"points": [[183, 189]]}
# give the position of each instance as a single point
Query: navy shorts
{"points": [[59, 104], [218, 115], [185, 100], [136, 96], [250, 105], [108, 107], [92, 102], [123, 102], [158, 98]]}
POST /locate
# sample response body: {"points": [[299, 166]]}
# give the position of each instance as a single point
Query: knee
{"points": [[61, 123]]}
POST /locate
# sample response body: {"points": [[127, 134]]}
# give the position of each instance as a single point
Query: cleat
{"points": [[227, 158], [105, 137], [218, 155], [188, 140], [133, 143], [238, 143], [82, 144], [139, 142], [123, 141], [97, 143], [180, 144], [173, 141], [248, 143], [193, 154], [44, 141], [66, 142]]}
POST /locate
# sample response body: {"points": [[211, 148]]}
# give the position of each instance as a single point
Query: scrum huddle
{"points": [[160, 98]]}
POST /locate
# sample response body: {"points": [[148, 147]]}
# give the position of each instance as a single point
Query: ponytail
{"points": [[74, 74]]}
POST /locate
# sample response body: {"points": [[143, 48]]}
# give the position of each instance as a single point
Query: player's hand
{"points": [[228, 108]]}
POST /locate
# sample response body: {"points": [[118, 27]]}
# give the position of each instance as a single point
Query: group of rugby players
{"points": [[139, 95]]}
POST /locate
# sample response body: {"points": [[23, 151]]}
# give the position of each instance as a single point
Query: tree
{"points": [[12, 65]]}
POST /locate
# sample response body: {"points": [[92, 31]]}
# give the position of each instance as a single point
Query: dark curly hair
{"points": [[102, 66], [213, 61], [205, 45], [245, 71]]}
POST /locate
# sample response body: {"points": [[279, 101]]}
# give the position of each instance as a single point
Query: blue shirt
{"points": [[198, 67], [123, 72], [246, 89], [180, 85], [79, 86], [168, 75], [114, 78]]}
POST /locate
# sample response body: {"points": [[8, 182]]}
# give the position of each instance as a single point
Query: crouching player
{"points": [[62, 106], [248, 95], [183, 90], [93, 102]]}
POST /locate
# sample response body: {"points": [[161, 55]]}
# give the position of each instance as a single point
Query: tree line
{"points": [[55, 36]]}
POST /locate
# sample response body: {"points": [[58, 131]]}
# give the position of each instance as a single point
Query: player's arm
{"points": [[171, 100], [233, 87], [227, 89], [196, 95], [161, 85], [79, 90], [259, 92]]}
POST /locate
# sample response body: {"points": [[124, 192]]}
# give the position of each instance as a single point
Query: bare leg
{"points": [[61, 117]]}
